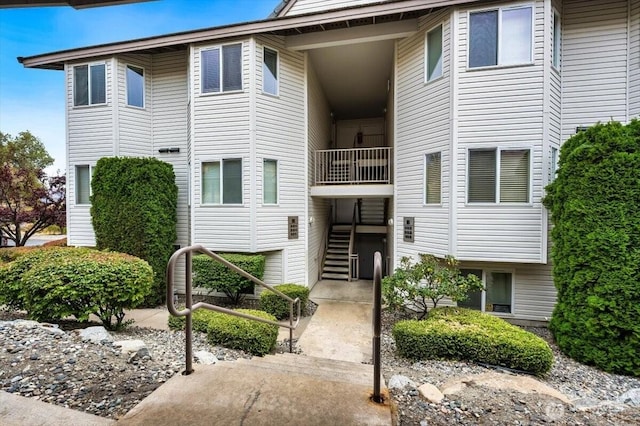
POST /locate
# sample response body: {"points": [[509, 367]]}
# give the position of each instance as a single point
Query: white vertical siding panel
{"points": [[134, 124], [280, 135], [221, 130], [501, 107], [634, 60], [423, 126], [89, 138], [594, 69]]}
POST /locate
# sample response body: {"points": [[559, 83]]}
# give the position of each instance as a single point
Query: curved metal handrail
{"points": [[190, 307]]}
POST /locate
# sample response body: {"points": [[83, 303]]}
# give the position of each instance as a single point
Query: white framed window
{"points": [[222, 181], [553, 166], [270, 65], [502, 36], [499, 175], [135, 86], [498, 293], [432, 178], [557, 41], [83, 184], [269, 181], [89, 84], [433, 54], [221, 69]]}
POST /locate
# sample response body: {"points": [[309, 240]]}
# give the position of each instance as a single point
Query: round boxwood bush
{"points": [[277, 306], [464, 334], [238, 333], [199, 320], [596, 238]]}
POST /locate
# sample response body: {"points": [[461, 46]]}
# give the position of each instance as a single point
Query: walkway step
{"points": [[334, 276], [336, 269]]}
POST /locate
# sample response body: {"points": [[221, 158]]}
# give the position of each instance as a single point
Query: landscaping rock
{"points": [[398, 382], [135, 349], [204, 357], [630, 397], [431, 393], [96, 334]]}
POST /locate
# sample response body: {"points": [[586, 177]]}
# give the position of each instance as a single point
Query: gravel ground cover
{"points": [[57, 366]]}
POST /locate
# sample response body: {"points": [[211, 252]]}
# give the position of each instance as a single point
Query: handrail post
{"points": [[377, 320], [189, 320]]}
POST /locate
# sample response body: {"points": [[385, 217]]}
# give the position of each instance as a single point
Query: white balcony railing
{"points": [[353, 166]]}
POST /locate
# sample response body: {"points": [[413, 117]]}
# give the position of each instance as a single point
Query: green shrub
{"points": [[211, 274], [275, 305], [596, 235], [200, 320], [238, 333], [12, 253], [133, 210], [464, 334], [59, 282]]}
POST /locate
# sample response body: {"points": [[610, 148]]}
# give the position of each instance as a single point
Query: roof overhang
{"points": [[76, 4], [285, 26]]}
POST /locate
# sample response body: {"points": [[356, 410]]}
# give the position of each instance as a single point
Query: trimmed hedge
{"points": [[596, 238], [8, 255], [211, 274], [465, 334], [279, 307], [59, 282], [200, 320], [238, 333], [133, 210]]}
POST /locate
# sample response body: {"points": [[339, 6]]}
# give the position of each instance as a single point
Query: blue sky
{"points": [[34, 99]]}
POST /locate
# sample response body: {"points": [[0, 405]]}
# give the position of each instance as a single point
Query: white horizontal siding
{"points": [[134, 124], [501, 107], [313, 6], [221, 130], [273, 268], [634, 60], [423, 126], [90, 137], [280, 135], [594, 67]]}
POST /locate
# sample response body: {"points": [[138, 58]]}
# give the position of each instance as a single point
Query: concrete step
{"points": [[341, 228], [333, 276], [336, 262], [337, 256], [339, 251], [335, 269]]}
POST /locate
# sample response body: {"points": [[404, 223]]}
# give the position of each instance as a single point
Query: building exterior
{"points": [[336, 128]]}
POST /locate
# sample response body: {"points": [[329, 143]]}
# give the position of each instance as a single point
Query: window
{"points": [[222, 182], [83, 184], [500, 37], [135, 86], [557, 40], [270, 71], [89, 85], [434, 53], [497, 296], [553, 167], [432, 178], [270, 182], [222, 69], [508, 177]]}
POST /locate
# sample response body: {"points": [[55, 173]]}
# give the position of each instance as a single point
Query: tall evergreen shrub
{"points": [[595, 210], [133, 210]]}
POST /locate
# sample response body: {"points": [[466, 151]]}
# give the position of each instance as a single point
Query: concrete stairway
{"points": [[336, 264], [274, 390]]}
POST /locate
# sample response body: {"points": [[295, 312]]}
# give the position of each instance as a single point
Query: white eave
{"points": [[285, 26]]}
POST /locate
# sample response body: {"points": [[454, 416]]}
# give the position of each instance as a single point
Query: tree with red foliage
{"points": [[29, 200]]}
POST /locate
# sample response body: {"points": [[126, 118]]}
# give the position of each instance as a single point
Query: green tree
{"points": [[596, 247], [30, 201], [415, 286]]}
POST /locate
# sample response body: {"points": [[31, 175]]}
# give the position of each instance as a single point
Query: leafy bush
{"points": [[238, 333], [10, 254], [464, 334], [211, 274], [60, 282], [413, 286], [133, 210], [596, 234], [200, 320], [275, 305]]}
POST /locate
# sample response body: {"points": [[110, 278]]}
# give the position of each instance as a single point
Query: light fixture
{"points": [[310, 220], [168, 150], [390, 222]]}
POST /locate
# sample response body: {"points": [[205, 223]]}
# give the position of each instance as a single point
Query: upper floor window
{"points": [[500, 37], [222, 182], [135, 86], [89, 84], [433, 177], [83, 184], [557, 40], [270, 71], [270, 182], [434, 53], [498, 175], [222, 68]]}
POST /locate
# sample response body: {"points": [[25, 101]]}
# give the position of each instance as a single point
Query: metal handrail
{"points": [[324, 244], [377, 324], [352, 237], [190, 307]]}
